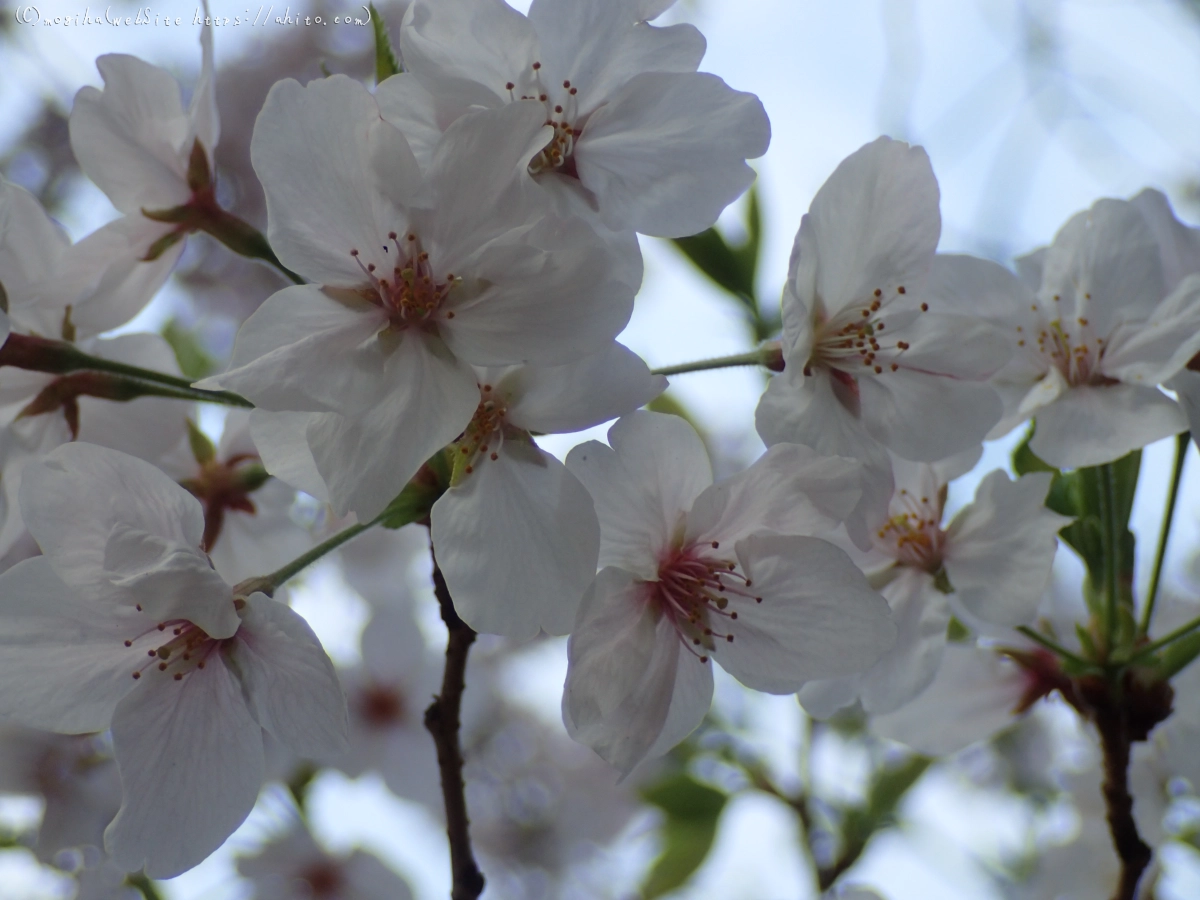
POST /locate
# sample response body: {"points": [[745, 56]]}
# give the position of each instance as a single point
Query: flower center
{"points": [[187, 647], [562, 114], [223, 486], [381, 706], [693, 590], [485, 434], [324, 879], [913, 535], [1073, 349], [413, 292], [853, 340]]}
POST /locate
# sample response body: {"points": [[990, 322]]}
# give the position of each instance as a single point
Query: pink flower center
{"points": [[562, 114], [413, 292], [693, 590], [187, 647], [382, 706], [913, 536]]}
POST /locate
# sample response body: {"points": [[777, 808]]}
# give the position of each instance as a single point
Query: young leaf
{"points": [[386, 63], [692, 812]]}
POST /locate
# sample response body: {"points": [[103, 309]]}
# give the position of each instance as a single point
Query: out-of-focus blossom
{"points": [[693, 570], [123, 623], [292, 866]]}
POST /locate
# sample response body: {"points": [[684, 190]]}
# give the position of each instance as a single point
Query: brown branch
{"points": [[442, 721], [1113, 724]]}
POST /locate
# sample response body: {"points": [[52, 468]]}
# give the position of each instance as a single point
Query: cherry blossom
{"points": [[991, 565], [872, 362], [123, 623], [693, 571], [1095, 340], [293, 865], [516, 536], [149, 155], [427, 272], [248, 528], [638, 135]]}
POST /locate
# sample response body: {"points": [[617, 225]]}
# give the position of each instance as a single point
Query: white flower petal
{"points": [[273, 355], [477, 40], [1178, 245], [129, 137], [312, 150], [282, 442], [366, 460], [517, 541], [926, 417], [79, 499], [1104, 265], [999, 550], [971, 698], [622, 667], [819, 618], [63, 665], [289, 681], [1088, 426], [667, 153], [599, 44], [791, 490], [1152, 351], [578, 395], [191, 761], [874, 224], [642, 487]]}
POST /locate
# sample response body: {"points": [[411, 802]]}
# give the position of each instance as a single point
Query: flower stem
{"points": [[37, 354], [769, 355], [1181, 446], [1055, 648], [1169, 638], [442, 720], [269, 583], [243, 239], [1112, 548]]}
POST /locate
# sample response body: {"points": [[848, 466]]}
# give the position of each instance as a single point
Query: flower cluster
{"points": [[463, 242]]}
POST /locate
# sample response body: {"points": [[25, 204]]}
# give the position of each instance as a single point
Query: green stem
{"points": [[37, 354], [243, 239], [1058, 649], [1169, 638], [143, 885], [1112, 548], [1181, 446], [268, 583], [762, 356]]}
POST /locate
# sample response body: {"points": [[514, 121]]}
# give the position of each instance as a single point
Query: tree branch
{"points": [[442, 721], [1134, 854]]}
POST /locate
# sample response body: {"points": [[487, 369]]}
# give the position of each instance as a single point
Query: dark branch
{"points": [[442, 721], [1134, 854]]}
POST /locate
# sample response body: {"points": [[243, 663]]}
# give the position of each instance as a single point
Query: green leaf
{"points": [[194, 361], [202, 448], [386, 63], [887, 789], [1179, 655], [692, 811]]}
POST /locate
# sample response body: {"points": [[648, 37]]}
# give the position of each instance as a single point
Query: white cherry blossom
{"points": [[694, 571], [871, 361], [138, 143], [427, 272], [1095, 340], [123, 623], [991, 564], [517, 537], [638, 135]]}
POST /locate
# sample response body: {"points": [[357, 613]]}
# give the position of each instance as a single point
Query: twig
{"points": [[1112, 723], [442, 721]]}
